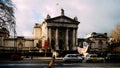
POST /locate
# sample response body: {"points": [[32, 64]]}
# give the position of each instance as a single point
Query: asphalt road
{"points": [[58, 64]]}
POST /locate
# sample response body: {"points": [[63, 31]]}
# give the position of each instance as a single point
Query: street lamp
{"points": [[14, 37]]}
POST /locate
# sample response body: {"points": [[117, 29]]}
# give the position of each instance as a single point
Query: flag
{"points": [[84, 49]]}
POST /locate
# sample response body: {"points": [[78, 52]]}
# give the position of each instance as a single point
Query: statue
{"points": [[75, 18], [62, 11], [48, 16]]}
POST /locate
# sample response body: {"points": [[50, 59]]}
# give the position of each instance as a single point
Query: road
{"points": [[58, 64]]}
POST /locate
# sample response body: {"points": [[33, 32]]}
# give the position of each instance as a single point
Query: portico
{"points": [[62, 32]]}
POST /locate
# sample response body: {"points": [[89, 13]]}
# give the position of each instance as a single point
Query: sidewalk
{"points": [[45, 58]]}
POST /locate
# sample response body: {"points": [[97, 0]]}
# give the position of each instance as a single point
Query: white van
{"points": [[73, 58]]}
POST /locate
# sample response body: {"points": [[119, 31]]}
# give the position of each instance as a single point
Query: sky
{"points": [[99, 16]]}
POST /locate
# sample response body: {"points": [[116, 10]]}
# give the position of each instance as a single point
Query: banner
{"points": [[84, 49], [46, 44]]}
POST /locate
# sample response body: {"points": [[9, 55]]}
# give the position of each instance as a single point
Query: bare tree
{"points": [[115, 33], [7, 19]]}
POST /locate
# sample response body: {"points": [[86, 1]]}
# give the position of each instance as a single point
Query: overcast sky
{"points": [[94, 15]]}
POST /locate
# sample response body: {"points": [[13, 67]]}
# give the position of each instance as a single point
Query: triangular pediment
{"points": [[62, 19]]}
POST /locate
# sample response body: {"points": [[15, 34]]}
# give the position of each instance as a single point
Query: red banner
{"points": [[46, 44]]}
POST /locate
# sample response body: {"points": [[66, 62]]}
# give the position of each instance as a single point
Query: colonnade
{"points": [[66, 40]]}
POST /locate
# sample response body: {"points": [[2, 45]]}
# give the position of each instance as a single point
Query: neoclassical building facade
{"points": [[4, 34], [54, 33], [99, 42], [20, 43], [60, 33]]}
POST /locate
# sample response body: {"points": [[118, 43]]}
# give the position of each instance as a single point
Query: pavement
{"points": [[44, 58]]}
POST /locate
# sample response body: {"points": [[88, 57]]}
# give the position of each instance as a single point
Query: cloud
{"points": [[94, 15]]}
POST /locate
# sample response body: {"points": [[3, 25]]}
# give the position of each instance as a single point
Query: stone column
{"points": [[49, 36], [76, 39], [66, 43], [56, 38], [73, 39]]}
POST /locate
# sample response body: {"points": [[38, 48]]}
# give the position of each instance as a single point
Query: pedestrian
{"points": [[52, 61], [50, 64]]}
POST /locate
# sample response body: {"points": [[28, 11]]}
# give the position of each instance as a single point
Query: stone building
{"points": [[20, 43], [4, 34], [99, 42], [60, 32], [40, 35], [57, 33], [8, 44]]}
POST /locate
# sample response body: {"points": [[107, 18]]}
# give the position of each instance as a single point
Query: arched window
{"points": [[100, 42], [20, 45]]}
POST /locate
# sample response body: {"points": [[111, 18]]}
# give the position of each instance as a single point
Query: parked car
{"points": [[112, 58], [16, 57], [73, 58], [93, 58]]}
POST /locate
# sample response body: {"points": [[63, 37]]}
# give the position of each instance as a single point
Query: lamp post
{"points": [[14, 39]]}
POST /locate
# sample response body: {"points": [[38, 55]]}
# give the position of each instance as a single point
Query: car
{"points": [[112, 58], [16, 57], [73, 58], [94, 58]]}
